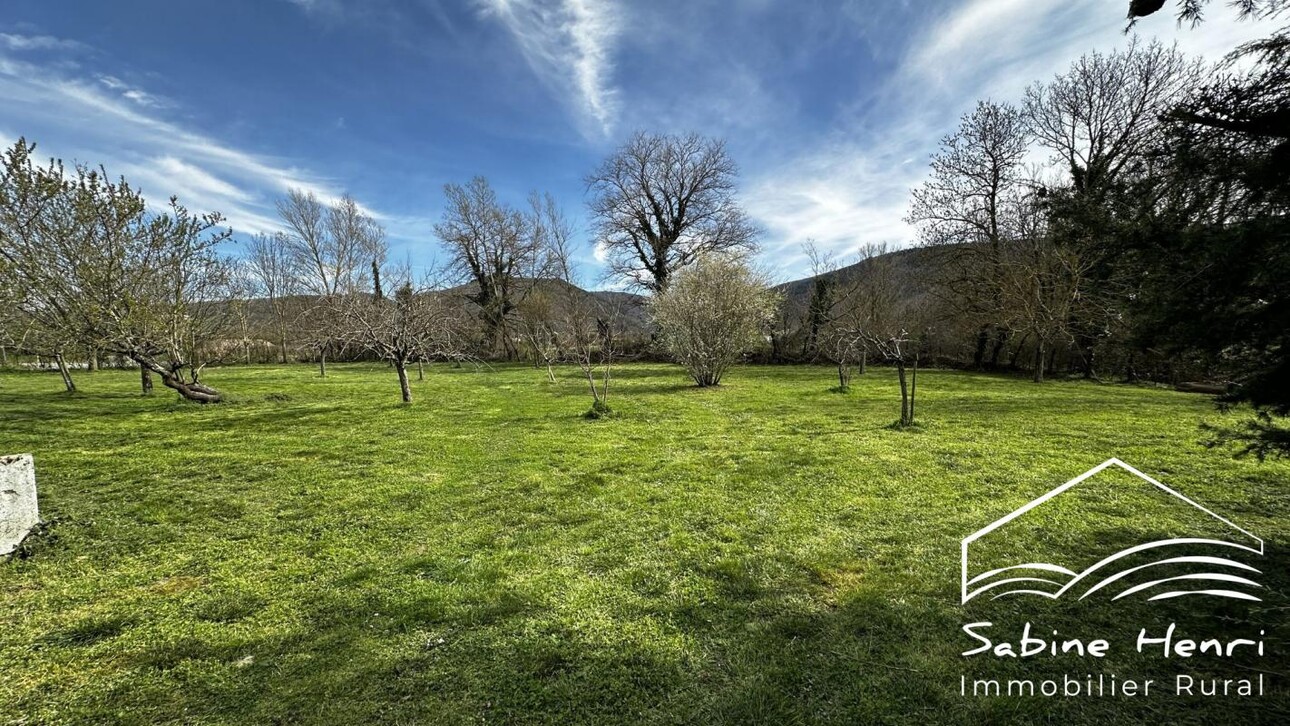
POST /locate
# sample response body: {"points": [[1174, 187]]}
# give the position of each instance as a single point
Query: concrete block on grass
{"points": [[18, 512]]}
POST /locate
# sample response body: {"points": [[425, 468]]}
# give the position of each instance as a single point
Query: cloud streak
{"points": [[21, 43], [103, 120], [569, 45], [131, 93]]}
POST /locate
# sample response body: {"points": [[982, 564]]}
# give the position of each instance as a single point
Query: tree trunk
{"points": [[842, 377], [550, 374], [4, 357], [904, 392], [1039, 362], [913, 392], [92, 359], [1000, 340], [864, 360], [421, 370], [172, 379], [401, 366], [978, 355], [322, 362], [65, 373], [191, 391], [145, 379], [1090, 362]]}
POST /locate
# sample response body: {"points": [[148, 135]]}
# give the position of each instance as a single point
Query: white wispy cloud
{"points": [[20, 42], [101, 119], [131, 93], [317, 6], [569, 45], [852, 186]]}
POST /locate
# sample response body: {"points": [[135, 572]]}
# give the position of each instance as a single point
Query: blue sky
{"points": [[831, 108]]}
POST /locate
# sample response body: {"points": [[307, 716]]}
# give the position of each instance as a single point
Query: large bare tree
{"points": [[1103, 114], [332, 249], [969, 207], [496, 249], [660, 202], [1101, 121]]}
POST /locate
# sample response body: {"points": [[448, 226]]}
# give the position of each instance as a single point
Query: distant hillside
{"points": [[908, 267], [630, 306]]}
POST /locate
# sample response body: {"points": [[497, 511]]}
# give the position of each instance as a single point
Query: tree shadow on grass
{"points": [[436, 639]]}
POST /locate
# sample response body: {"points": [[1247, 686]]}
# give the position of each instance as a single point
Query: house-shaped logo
{"points": [[1198, 563]]}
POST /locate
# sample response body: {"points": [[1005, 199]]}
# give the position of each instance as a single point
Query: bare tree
{"points": [[827, 321], [415, 324], [1042, 286], [712, 313], [1103, 113], [899, 345], [243, 288], [976, 178], [492, 246], [861, 297], [590, 329], [537, 323], [1042, 281], [331, 250], [968, 208], [271, 264], [878, 315], [1100, 120], [94, 266], [661, 202], [550, 278], [564, 321]]}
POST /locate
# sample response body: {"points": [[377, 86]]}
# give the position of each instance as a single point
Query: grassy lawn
{"points": [[770, 551]]}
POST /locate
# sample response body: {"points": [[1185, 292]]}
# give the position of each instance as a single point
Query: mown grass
{"points": [[767, 552]]}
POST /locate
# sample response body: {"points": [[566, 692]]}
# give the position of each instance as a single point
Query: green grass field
{"points": [[767, 552]]}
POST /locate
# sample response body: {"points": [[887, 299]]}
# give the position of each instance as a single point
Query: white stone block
{"points": [[18, 513]]}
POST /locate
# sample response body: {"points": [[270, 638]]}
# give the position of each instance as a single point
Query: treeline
{"points": [[89, 272], [1152, 245]]}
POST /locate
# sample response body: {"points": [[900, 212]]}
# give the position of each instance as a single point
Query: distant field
{"points": [[770, 551]]}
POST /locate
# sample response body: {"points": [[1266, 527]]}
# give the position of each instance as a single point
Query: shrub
{"points": [[713, 312]]}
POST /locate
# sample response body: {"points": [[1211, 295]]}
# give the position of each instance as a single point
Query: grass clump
{"points": [[598, 410]]}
